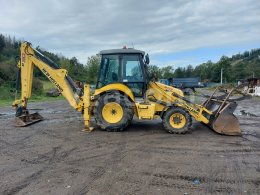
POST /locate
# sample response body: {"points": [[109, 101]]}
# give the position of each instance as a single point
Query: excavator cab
{"points": [[126, 66]]}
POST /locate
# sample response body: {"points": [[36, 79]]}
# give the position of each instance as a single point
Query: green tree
{"points": [[240, 71], [225, 65], [179, 72], [92, 67], [2, 42], [167, 72], [204, 71], [154, 72], [189, 71]]}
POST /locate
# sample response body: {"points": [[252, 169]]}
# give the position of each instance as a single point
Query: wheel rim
{"points": [[112, 112], [177, 120]]}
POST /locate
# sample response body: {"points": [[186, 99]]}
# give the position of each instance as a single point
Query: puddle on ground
{"points": [[33, 110], [51, 111], [2, 115], [251, 136], [46, 111], [244, 113]]}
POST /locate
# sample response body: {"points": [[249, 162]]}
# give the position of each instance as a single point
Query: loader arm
{"points": [[171, 96], [31, 58], [217, 114]]}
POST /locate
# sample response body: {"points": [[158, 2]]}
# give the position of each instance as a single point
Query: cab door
{"points": [[133, 73]]}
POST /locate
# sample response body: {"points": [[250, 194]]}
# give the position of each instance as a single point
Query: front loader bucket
{"points": [[226, 124], [223, 121], [27, 119]]}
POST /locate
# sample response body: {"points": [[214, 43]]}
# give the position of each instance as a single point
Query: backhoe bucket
{"points": [[27, 119], [223, 121]]}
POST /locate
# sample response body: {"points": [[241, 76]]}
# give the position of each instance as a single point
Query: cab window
{"points": [[132, 74], [109, 72], [132, 71]]}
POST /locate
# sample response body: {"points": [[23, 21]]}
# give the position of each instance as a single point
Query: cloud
{"points": [[83, 28]]}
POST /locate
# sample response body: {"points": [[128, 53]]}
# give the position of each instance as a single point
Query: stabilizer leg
{"points": [[87, 116]]}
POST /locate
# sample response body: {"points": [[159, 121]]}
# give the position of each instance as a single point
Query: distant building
{"points": [[253, 87]]}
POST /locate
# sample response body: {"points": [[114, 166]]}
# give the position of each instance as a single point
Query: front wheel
{"points": [[177, 120], [113, 111]]}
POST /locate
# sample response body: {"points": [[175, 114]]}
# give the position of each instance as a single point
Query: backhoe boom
{"points": [[31, 58]]}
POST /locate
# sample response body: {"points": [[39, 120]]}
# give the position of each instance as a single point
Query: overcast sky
{"points": [[173, 32]]}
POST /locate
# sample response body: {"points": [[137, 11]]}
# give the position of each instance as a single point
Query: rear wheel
{"points": [[113, 112], [177, 120]]}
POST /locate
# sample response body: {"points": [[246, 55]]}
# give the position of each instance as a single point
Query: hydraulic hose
{"points": [[18, 81]]}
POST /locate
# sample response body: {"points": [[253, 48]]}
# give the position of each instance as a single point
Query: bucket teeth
{"points": [[27, 119]]}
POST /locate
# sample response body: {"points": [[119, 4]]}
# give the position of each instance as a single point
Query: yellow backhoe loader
{"points": [[123, 90]]}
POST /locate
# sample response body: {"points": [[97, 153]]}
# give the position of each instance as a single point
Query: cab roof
{"points": [[122, 51]]}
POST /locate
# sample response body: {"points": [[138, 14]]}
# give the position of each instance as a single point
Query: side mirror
{"points": [[147, 59]]}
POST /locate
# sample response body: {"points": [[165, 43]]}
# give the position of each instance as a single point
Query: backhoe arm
{"points": [[30, 58]]}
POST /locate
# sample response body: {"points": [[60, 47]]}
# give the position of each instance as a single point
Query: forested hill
{"points": [[248, 63], [10, 49], [239, 66]]}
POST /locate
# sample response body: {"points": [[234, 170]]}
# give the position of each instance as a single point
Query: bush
{"points": [[37, 86], [5, 92], [1, 81]]}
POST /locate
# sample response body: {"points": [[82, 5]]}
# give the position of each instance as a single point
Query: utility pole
{"points": [[221, 76]]}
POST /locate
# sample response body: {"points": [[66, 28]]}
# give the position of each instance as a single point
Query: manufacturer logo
{"points": [[52, 80]]}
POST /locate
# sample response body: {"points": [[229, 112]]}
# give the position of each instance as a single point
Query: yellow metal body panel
{"points": [[169, 96], [116, 86], [168, 89], [158, 107], [145, 111], [112, 112]]}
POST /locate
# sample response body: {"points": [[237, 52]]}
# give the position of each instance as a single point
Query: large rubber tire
{"points": [[186, 120], [123, 101]]}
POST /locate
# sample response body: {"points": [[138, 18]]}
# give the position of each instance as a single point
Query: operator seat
{"points": [[114, 77]]}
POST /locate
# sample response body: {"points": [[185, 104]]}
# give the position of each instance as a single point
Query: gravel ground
{"points": [[56, 157]]}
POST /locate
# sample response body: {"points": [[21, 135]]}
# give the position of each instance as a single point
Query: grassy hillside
{"points": [[7, 94]]}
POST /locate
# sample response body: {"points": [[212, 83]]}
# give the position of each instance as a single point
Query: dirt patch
{"points": [[56, 157]]}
